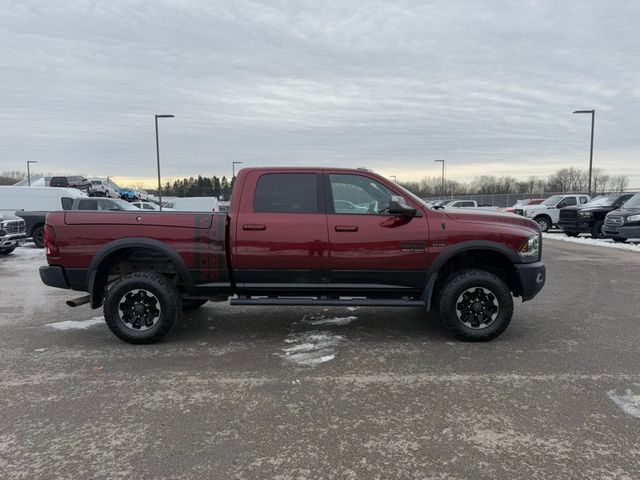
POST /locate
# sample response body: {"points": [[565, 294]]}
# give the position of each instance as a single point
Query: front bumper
{"points": [[12, 241], [577, 226], [531, 277], [624, 231]]}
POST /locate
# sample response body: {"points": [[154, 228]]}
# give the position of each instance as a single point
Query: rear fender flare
{"points": [[93, 281]]}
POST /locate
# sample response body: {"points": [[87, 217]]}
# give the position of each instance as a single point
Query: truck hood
{"points": [[491, 217], [539, 207]]}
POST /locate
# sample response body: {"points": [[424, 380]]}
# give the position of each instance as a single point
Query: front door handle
{"points": [[346, 228], [254, 227]]}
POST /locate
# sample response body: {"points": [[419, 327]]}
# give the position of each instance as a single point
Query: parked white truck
{"points": [[547, 213]]}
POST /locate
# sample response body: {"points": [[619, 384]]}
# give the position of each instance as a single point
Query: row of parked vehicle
{"points": [[23, 210], [615, 215], [99, 187]]}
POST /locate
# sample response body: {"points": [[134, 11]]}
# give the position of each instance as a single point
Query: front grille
{"points": [[518, 211], [614, 220], [568, 214], [14, 226]]}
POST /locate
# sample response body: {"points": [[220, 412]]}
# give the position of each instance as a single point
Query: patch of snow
{"points": [[77, 325], [331, 321], [604, 242], [311, 349], [352, 309], [39, 349], [628, 403]]}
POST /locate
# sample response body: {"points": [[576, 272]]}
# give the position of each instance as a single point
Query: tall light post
{"points": [[233, 168], [395, 180], [158, 157], [593, 121], [29, 171], [443, 192]]}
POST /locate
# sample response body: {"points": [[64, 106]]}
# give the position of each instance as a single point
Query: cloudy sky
{"points": [[387, 85]]}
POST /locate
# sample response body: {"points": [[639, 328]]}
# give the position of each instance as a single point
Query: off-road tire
{"points": [[596, 230], [544, 223], [190, 304], [157, 285], [38, 236], [7, 251], [456, 286]]}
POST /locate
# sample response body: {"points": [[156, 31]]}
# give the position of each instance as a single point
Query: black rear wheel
{"points": [[38, 236], [142, 307], [475, 305], [7, 251]]}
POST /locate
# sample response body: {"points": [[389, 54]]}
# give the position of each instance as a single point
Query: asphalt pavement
{"points": [[296, 393]]}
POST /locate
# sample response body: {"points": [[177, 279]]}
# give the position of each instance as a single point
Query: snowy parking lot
{"points": [[246, 392]]}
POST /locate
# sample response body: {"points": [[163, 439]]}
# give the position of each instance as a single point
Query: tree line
{"points": [[563, 180]]}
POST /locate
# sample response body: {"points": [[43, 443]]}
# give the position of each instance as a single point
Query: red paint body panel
{"points": [[290, 248]]}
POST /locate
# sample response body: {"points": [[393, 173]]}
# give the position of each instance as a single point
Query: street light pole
{"points": [[233, 168], [29, 171], [443, 192], [395, 180], [593, 121], [158, 157]]}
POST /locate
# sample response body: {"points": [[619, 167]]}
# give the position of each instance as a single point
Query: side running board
{"points": [[326, 302]]}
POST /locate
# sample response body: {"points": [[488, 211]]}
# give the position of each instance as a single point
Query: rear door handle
{"points": [[346, 228], [254, 227]]}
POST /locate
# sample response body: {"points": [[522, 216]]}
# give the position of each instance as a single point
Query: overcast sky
{"points": [[387, 85]]}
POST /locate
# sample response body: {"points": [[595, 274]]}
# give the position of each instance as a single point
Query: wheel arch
{"points": [[97, 275], [472, 254]]}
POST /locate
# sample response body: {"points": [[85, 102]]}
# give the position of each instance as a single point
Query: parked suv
{"points": [[78, 182], [589, 218], [624, 223], [547, 214], [104, 188], [12, 233]]}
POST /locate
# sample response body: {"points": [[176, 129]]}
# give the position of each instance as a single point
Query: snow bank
{"points": [[605, 242], [629, 403], [331, 321]]}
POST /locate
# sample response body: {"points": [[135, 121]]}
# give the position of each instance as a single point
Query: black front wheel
{"points": [[596, 230], [7, 251], [142, 307], [475, 305]]}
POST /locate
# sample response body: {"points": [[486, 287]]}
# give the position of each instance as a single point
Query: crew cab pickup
{"points": [[287, 240]]}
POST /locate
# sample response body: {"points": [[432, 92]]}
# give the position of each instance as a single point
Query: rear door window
{"points": [[87, 205], [287, 193]]}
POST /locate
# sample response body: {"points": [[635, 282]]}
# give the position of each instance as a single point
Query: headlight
{"points": [[585, 214], [531, 247], [633, 218]]}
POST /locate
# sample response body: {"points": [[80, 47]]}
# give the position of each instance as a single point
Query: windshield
{"points": [[633, 202], [551, 201], [604, 200]]}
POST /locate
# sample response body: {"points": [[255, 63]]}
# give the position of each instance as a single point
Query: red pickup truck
{"points": [[298, 236]]}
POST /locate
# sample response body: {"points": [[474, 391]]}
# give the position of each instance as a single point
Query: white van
{"points": [[193, 204], [42, 199]]}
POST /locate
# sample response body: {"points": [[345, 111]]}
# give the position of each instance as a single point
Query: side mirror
{"points": [[398, 206]]}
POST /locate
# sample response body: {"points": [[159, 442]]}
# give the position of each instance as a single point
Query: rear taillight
{"points": [[50, 243]]}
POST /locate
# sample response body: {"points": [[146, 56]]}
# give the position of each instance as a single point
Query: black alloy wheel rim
{"points": [[477, 307], [139, 309]]}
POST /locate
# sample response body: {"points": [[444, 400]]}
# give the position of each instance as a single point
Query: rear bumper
{"points": [[59, 277], [12, 241], [630, 231], [532, 277]]}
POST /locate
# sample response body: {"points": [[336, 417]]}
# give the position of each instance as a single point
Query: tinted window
{"points": [[58, 182], [287, 193], [467, 204], [359, 194], [570, 201], [67, 203], [87, 205]]}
